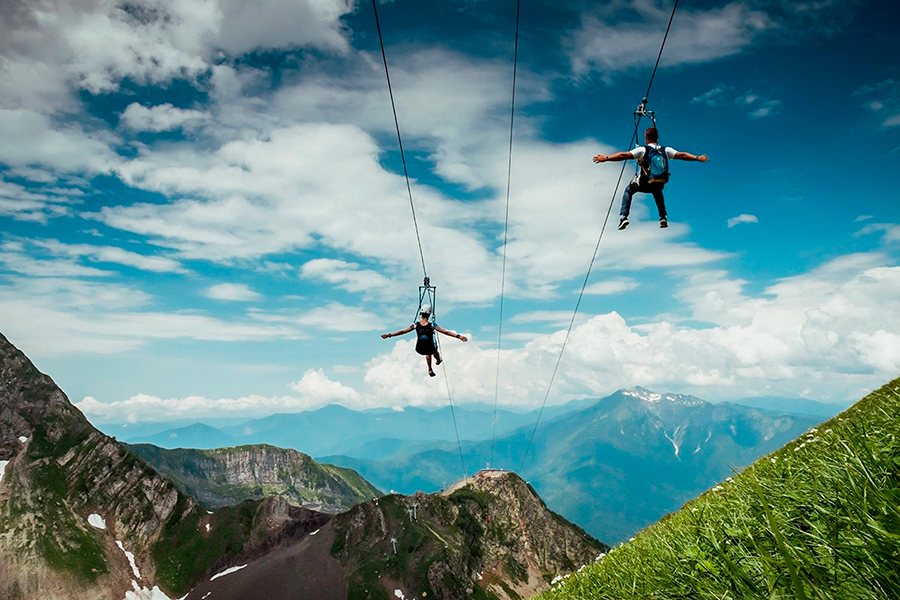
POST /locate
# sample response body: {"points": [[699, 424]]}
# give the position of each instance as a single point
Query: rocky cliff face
{"points": [[228, 476], [81, 516], [490, 536], [487, 538]]}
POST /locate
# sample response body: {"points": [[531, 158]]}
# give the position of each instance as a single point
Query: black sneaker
{"points": [[663, 223], [623, 223]]}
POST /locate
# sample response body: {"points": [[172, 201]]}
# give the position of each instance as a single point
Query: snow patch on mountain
{"points": [[227, 572], [142, 593], [96, 521], [654, 397], [130, 557]]}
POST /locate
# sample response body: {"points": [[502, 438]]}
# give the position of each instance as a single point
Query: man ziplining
{"points": [[654, 173]]}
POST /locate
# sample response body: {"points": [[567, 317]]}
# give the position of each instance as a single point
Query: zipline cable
{"points": [[612, 200], [387, 74], [412, 207], [512, 120]]}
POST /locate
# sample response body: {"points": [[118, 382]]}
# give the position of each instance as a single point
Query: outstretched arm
{"points": [[618, 156], [385, 336], [689, 156], [450, 333]]}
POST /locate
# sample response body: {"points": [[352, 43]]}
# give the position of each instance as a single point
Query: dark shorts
{"points": [[425, 347]]}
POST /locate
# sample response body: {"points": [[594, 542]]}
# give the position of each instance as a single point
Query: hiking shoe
{"points": [[623, 223], [663, 223]]}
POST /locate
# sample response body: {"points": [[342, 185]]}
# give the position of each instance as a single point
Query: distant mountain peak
{"points": [[646, 395]]}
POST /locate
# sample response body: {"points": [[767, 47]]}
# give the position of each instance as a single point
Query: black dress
{"points": [[425, 339]]}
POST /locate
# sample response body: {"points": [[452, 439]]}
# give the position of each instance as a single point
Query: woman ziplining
{"points": [[426, 344]]}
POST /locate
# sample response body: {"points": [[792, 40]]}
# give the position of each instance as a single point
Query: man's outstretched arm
{"points": [[618, 156], [689, 156]]}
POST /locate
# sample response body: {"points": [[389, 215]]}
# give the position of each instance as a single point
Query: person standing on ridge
{"points": [[425, 342], [654, 162]]}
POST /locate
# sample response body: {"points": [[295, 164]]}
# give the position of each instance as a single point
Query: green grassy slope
{"points": [[818, 519]]}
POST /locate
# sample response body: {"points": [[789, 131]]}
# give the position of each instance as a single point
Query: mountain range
{"points": [[612, 467], [83, 517]]}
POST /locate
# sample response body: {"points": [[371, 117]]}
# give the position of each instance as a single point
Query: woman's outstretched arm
{"points": [[385, 336]]}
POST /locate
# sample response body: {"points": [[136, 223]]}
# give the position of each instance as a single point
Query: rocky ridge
{"points": [[489, 537], [227, 476]]}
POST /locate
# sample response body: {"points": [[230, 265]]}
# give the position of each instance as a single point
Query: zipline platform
{"points": [[482, 474]]}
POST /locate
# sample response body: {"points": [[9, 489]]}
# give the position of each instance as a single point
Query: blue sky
{"points": [[204, 214]]}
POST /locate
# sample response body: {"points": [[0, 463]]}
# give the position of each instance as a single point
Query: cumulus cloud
{"points": [[318, 390], [34, 140], [743, 218], [314, 390], [100, 42], [826, 332]]}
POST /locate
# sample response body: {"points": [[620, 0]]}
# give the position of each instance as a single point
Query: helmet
{"points": [[425, 309]]}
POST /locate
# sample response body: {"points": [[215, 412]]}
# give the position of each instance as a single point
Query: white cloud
{"points": [[611, 287], [609, 45], [24, 204], [143, 407], [717, 96], [32, 139], [235, 292], [345, 275], [883, 101], [15, 259], [163, 117], [335, 317], [317, 389], [97, 43], [77, 316], [282, 24], [759, 106], [743, 218], [113, 254]]}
